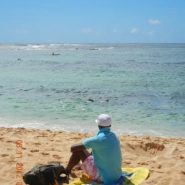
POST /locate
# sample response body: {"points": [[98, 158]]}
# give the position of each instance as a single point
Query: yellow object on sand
{"points": [[136, 177]]}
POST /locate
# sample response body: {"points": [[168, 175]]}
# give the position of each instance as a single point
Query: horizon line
{"points": [[38, 43]]}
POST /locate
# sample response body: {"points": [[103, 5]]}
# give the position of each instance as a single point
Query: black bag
{"points": [[46, 175]]}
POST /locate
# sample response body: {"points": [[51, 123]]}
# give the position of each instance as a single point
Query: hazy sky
{"points": [[89, 21]]}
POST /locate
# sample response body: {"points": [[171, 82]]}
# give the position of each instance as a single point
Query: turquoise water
{"points": [[142, 86]]}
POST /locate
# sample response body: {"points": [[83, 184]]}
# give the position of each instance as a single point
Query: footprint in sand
{"points": [[143, 163], [42, 135], [44, 153], [34, 150], [37, 143], [127, 162], [9, 141], [4, 155], [12, 161], [181, 157], [56, 156]]}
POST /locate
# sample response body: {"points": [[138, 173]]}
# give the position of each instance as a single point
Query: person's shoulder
{"points": [[93, 138], [114, 136], [91, 142], [113, 133]]}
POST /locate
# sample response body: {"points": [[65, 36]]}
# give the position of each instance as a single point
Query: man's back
{"points": [[107, 154]]}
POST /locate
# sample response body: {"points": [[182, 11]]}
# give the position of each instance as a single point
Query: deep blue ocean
{"points": [[66, 86]]}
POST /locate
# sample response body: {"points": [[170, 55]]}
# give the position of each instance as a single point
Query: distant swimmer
{"points": [[55, 54]]}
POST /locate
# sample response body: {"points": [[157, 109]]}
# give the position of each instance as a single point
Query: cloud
{"points": [[154, 21], [135, 30], [88, 31]]}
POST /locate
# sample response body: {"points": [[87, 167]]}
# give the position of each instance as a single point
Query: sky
{"points": [[92, 21]]}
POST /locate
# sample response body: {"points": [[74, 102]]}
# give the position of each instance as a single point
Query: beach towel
{"points": [[133, 176]]}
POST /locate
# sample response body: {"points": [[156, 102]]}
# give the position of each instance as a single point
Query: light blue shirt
{"points": [[107, 155]]}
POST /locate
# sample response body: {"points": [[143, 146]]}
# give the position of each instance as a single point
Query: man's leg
{"points": [[75, 158]]}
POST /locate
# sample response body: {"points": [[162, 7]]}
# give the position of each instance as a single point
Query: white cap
{"points": [[104, 120]]}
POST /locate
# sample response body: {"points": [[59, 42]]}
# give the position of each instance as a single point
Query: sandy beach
{"points": [[21, 149]]}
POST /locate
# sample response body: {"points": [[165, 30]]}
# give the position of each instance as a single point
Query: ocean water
{"points": [[65, 86]]}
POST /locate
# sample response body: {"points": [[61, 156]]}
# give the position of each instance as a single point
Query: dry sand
{"points": [[165, 157]]}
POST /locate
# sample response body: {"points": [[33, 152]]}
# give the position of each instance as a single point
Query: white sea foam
{"points": [[68, 126], [73, 126]]}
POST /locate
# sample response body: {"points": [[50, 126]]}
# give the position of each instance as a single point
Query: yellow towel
{"points": [[139, 174]]}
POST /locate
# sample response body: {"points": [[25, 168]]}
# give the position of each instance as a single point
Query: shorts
{"points": [[90, 169]]}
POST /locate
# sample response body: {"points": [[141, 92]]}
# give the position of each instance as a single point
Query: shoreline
{"points": [[93, 130], [165, 157]]}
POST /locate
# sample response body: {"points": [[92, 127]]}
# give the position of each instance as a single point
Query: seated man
{"points": [[104, 165]]}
